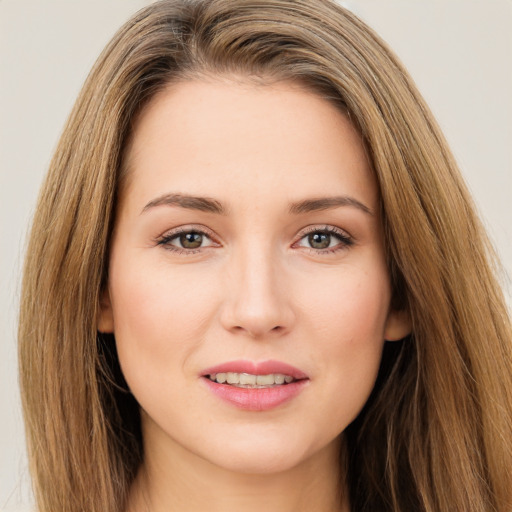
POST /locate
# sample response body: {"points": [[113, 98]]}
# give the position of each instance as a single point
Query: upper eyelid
{"points": [[170, 233], [325, 227]]}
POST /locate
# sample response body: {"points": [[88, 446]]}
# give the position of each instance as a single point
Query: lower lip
{"points": [[256, 399]]}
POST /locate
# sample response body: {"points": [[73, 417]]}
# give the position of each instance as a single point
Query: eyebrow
{"points": [[204, 204], [209, 205], [327, 203]]}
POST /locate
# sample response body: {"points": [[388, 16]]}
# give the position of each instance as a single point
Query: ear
{"points": [[398, 325], [106, 315]]}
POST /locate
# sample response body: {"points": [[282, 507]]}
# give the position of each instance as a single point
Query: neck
{"points": [[186, 482]]}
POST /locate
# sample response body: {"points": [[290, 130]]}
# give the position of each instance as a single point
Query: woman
{"points": [[252, 197]]}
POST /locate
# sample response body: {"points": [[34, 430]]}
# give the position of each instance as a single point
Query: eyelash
{"points": [[166, 239], [345, 240]]}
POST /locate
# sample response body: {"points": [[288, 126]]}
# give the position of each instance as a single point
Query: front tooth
{"points": [[221, 378], [288, 379], [279, 378], [265, 380], [247, 378], [232, 378]]}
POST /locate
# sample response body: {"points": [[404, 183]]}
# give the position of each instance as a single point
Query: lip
{"points": [[256, 399], [260, 368]]}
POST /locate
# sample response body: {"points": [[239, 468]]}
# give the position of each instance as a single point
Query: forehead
{"points": [[224, 137]]}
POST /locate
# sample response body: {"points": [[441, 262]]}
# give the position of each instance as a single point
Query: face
{"points": [[248, 290]]}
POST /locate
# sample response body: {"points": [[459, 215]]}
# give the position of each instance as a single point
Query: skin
{"points": [[255, 289]]}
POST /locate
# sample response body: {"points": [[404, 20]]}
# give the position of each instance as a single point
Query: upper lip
{"points": [[256, 368]]}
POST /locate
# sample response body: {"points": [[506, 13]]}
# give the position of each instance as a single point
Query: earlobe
{"points": [[105, 316], [398, 325]]}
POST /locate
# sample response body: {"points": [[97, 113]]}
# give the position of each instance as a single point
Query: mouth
{"points": [[249, 373], [255, 386], [248, 380]]}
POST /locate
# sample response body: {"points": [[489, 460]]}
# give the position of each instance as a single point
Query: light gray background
{"points": [[458, 51]]}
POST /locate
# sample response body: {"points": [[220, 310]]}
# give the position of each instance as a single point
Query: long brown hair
{"points": [[436, 433]]}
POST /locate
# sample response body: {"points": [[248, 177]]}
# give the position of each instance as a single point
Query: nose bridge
{"points": [[255, 303]]}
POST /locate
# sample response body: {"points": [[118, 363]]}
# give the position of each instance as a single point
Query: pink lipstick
{"points": [[255, 386]]}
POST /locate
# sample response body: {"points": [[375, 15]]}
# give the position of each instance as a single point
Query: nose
{"points": [[256, 302]]}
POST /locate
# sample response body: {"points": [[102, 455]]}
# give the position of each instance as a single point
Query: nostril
{"points": [[258, 331]]}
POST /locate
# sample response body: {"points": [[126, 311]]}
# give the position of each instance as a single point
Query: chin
{"points": [[261, 454], [261, 463]]}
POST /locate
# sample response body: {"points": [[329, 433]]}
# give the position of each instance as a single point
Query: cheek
{"points": [[160, 316], [152, 295], [348, 324], [351, 305]]}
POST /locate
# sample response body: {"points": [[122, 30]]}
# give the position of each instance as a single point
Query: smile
{"points": [[254, 386], [247, 380]]}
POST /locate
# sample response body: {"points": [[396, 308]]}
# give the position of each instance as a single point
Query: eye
{"points": [[186, 240], [327, 239]]}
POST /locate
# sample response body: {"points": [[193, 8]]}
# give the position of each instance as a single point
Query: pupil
{"points": [[191, 240], [319, 240]]}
